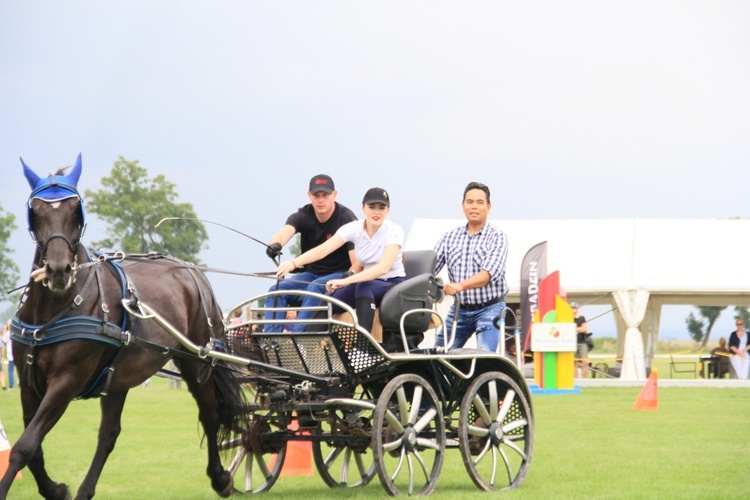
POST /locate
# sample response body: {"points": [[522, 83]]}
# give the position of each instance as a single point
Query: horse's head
{"points": [[56, 224]]}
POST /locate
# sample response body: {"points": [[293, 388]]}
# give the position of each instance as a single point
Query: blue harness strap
{"points": [[65, 328], [70, 328]]}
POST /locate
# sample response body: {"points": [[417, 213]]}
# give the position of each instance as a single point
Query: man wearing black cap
{"points": [[316, 222], [475, 255]]}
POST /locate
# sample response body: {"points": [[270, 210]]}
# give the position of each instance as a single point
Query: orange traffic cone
{"points": [[647, 399], [298, 460], [5, 452]]}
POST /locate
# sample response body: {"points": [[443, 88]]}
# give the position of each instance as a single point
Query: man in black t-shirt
{"points": [[315, 223]]}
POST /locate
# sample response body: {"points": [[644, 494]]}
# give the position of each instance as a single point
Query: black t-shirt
{"points": [[313, 233], [581, 336]]}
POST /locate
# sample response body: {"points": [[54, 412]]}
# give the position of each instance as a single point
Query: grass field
{"points": [[590, 445]]}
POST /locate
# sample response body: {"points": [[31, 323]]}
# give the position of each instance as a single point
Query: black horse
{"points": [[74, 339]]}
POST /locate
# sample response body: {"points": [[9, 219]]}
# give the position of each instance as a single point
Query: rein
{"points": [[153, 258]]}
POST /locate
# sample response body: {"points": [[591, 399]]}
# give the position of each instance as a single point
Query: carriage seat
{"points": [[420, 290]]}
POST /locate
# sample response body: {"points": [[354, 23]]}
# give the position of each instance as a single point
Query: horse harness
{"points": [[63, 328]]}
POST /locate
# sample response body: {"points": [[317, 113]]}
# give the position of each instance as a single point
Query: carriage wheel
{"points": [[257, 454], [495, 432], [343, 462], [343, 458], [408, 436]]}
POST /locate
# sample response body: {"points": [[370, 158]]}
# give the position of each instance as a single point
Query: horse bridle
{"points": [[42, 246]]}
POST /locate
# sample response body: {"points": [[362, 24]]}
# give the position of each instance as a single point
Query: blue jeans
{"points": [[479, 321], [300, 281]]}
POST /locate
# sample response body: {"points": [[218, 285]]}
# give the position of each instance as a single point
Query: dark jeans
{"points": [[373, 289]]}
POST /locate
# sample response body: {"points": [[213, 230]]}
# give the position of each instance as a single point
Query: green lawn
{"points": [[588, 445]]}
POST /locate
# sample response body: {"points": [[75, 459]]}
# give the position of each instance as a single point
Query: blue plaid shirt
{"points": [[467, 255]]}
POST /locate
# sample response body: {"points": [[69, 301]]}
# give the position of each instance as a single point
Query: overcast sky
{"points": [[571, 109]]}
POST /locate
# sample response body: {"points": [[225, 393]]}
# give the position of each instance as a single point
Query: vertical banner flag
{"points": [[533, 271]]}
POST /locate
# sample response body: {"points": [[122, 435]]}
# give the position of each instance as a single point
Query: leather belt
{"points": [[476, 307]]}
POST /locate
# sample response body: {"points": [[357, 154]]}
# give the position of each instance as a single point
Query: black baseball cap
{"points": [[322, 182], [377, 195]]}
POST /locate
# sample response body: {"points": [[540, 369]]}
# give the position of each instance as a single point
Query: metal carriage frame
{"points": [[368, 412]]}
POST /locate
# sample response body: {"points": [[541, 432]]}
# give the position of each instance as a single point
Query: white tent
{"points": [[638, 264]]}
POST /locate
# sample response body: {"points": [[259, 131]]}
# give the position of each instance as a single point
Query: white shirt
{"points": [[369, 251]]}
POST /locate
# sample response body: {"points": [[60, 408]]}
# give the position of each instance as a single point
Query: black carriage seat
{"points": [[420, 290]]}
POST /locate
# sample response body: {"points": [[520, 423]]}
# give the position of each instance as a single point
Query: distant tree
{"points": [[8, 269], [742, 312], [296, 248], [132, 205], [700, 330]]}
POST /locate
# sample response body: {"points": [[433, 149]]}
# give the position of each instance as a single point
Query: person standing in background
{"points": [[739, 346], [582, 351], [6, 352]]}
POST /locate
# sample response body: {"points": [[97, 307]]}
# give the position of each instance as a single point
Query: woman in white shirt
{"points": [[377, 246]]}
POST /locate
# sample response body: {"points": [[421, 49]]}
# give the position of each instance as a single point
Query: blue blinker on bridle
{"points": [[50, 189]]}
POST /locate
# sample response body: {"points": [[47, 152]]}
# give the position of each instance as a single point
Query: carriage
{"points": [[369, 412], [365, 410]]}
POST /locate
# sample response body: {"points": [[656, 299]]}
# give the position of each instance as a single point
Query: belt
{"points": [[476, 307]]}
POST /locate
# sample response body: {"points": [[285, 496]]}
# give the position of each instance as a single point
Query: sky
{"points": [[578, 109]]}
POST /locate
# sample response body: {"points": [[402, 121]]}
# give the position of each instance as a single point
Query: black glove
{"points": [[273, 250]]}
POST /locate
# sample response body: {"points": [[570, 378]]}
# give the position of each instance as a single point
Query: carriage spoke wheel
{"points": [[256, 455], [343, 457], [408, 438], [495, 432]]}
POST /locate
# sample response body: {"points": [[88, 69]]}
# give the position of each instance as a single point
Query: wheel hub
{"points": [[409, 438], [496, 433]]}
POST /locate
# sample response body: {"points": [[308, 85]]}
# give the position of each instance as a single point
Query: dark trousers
{"points": [[374, 289]]}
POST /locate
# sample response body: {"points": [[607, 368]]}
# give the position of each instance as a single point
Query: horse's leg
{"points": [[205, 396], [39, 418], [109, 430]]}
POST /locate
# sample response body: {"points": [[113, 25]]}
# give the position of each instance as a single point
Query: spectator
{"points": [[582, 350], [316, 223], [720, 359], [4, 340], [377, 246], [8, 342], [738, 345], [475, 255]]}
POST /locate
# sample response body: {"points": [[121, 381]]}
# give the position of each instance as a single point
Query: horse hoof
{"points": [[225, 487], [60, 492]]}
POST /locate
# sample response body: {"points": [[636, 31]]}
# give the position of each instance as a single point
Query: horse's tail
{"points": [[231, 402]]}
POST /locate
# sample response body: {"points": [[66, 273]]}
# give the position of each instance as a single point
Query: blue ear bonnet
{"points": [[53, 188]]}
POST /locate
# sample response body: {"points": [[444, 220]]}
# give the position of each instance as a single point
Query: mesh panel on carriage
{"points": [[239, 342], [358, 351], [313, 354]]}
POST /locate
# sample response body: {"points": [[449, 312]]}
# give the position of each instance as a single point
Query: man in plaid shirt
{"points": [[475, 255]]}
